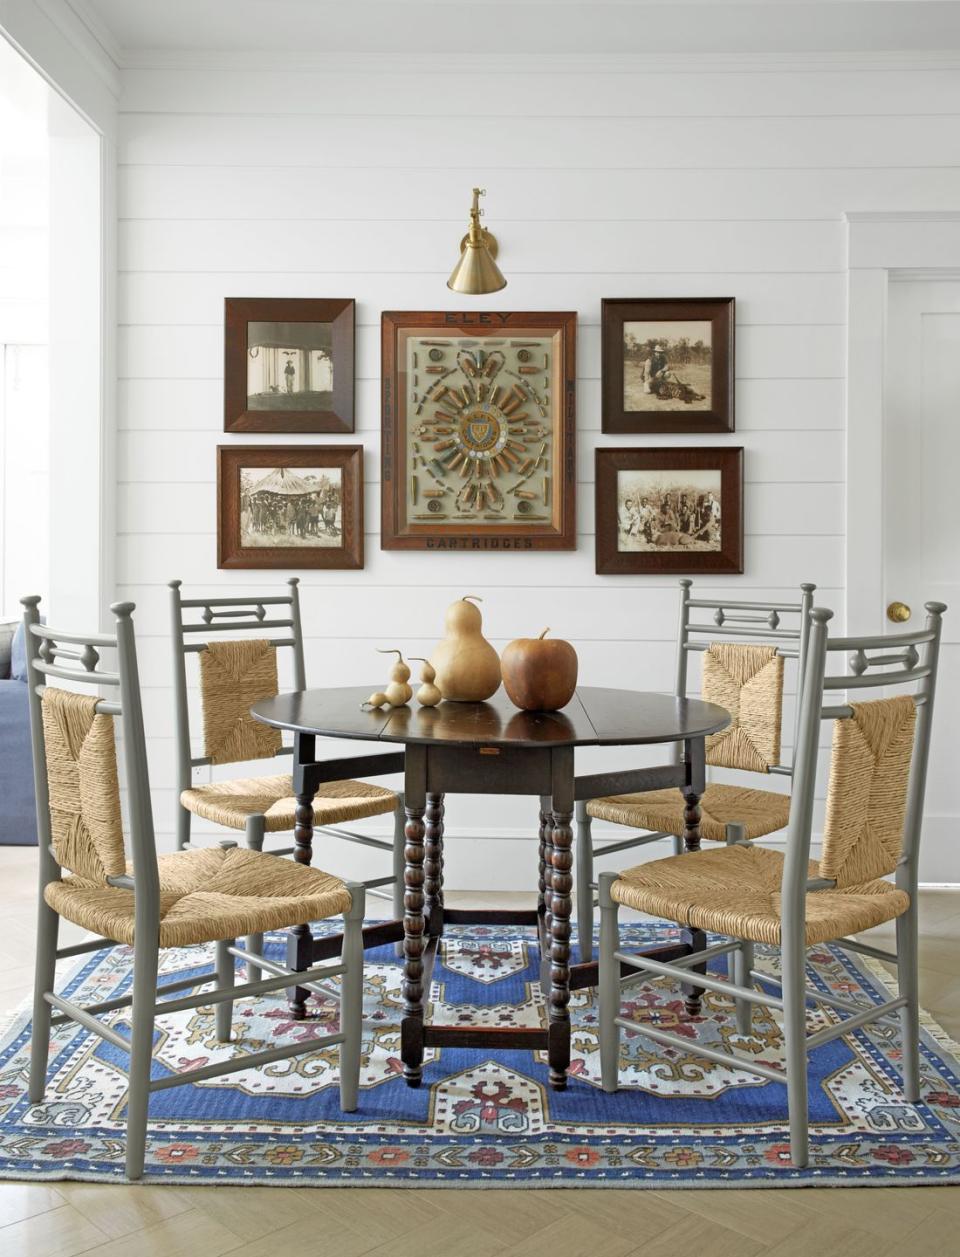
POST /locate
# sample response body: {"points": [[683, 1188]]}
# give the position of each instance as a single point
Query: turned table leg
{"points": [[560, 883], [433, 865], [411, 1029], [691, 821], [299, 938], [544, 874]]}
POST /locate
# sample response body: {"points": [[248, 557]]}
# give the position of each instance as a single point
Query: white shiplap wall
{"points": [[605, 178]]}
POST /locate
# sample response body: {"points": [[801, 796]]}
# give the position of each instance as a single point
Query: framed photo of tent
{"points": [[288, 365], [667, 364], [290, 506]]}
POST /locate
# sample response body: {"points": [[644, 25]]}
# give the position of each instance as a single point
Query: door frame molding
{"points": [[882, 248]]}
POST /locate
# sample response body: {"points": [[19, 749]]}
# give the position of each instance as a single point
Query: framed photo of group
{"points": [[669, 511], [668, 365]]}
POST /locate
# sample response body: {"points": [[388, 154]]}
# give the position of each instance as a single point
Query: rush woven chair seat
{"points": [[232, 803], [735, 891], [198, 896], [235, 673], [207, 895], [747, 894], [757, 812], [745, 677]]}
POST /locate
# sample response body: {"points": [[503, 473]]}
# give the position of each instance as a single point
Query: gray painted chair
{"points": [[753, 686], [751, 894], [242, 673], [199, 896]]}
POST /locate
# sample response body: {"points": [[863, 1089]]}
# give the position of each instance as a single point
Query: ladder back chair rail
{"points": [[79, 829], [874, 818]]}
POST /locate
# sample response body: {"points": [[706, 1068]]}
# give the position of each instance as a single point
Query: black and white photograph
{"points": [[283, 507], [289, 366], [667, 365], [290, 506], [669, 510]]}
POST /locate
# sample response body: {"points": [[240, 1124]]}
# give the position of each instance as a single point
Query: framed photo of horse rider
{"points": [[668, 364], [290, 506], [288, 364], [669, 512]]}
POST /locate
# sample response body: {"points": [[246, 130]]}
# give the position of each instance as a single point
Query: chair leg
{"points": [[223, 1013], [735, 832], [742, 964], [609, 993], [351, 1001], [793, 963], [183, 826], [584, 857], [142, 1013], [909, 982], [677, 845], [48, 928], [255, 832]]}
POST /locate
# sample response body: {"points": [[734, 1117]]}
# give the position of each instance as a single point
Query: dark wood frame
{"points": [[238, 312], [394, 534], [613, 562], [230, 458], [720, 312]]}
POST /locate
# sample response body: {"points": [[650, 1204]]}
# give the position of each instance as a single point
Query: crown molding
{"points": [[87, 35], [314, 61]]}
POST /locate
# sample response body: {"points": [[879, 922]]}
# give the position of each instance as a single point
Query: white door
{"points": [[921, 522]]}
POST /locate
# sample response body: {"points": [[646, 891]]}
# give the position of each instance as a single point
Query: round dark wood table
{"points": [[488, 748]]}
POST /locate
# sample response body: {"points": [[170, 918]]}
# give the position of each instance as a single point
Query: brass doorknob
{"points": [[898, 612]]}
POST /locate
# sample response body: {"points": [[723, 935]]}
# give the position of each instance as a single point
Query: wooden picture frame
{"points": [[478, 431], [668, 364], [669, 511], [302, 346], [290, 506]]}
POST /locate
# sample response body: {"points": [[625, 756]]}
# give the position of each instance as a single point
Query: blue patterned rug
{"points": [[482, 1118]]}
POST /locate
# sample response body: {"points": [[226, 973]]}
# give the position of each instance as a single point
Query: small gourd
{"points": [[428, 695], [467, 666], [398, 692], [376, 700]]}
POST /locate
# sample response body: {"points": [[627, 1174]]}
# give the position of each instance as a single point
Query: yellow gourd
{"points": [[398, 692], [427, 695], [467, 666]]}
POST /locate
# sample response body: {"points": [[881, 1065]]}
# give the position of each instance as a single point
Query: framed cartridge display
{"points": [[478, 446]]}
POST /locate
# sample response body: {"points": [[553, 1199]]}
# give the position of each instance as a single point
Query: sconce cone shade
{"points": [[476, 272]]}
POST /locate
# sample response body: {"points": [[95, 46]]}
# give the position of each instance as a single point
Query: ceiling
{"points": [[130, 28]]}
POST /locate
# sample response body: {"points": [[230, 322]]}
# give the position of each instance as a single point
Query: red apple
{"points": [[539, 674]]}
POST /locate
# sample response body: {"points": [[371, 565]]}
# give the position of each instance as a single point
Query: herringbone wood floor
{"points": [[117, 1221]]}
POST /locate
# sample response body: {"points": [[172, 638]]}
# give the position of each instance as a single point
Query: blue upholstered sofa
{"points": [[18, 823]]}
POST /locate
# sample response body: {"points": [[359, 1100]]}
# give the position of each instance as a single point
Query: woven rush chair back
{"points": [[237, 640], [878, 768], [83, 790], [74, 757], [746, 679], [744, 645]]}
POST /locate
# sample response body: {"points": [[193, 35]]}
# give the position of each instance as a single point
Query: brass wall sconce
{"points": [[477, 272]]}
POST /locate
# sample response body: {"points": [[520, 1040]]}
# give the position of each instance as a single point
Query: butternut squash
{"points": [[467, 666]]}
